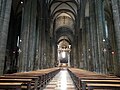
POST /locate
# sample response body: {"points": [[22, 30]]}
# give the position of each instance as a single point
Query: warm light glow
{"points": [[103, 40], [63, 80], [113, 52], [20, 40], [63, 54], [69, 46], [21, 2], [104, 50]]}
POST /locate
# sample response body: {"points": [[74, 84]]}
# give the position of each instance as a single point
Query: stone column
{"points": [[39, 43], [80, 48], [82, 25], [116, 17], [32, 35], [28, 28], [100, 34], [74, 51], [43, 46], [43, 33], [39, 47], [93, 31], [53, 51], [76, 41], [68, 59], [43, 50], [84, 50], [88, 44], [37, 56], [47, 49], [5, 9], [24, 37], [72, 55], [51, 42]]}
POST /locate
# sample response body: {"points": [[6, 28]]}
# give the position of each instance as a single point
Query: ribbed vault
{"points": [[63, 13]]}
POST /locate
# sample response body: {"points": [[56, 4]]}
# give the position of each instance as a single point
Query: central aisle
{"points": [[62, 81]]}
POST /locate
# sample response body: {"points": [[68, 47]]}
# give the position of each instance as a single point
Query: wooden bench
{"points": [[26, 82], [83, 77], [103, 86], [16, 86], [44, 76], [38, 77], [85, 82], [34, 80]]}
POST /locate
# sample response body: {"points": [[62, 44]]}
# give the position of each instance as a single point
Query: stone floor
{"points": [[62, 81]]}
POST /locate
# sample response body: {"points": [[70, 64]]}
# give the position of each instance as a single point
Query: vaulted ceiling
{"points": [[63, 13]]}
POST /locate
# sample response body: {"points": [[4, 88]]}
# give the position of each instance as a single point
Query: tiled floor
{"points": [[62, 81]]}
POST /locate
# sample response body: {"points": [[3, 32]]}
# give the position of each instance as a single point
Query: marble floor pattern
{"points": [[62, 81]]}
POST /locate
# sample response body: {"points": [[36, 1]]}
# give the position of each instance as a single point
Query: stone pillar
{"points": [[48, 61], [32, 35], [74, 51], [43, 53], [93, 31], [51, 42], [37, 50], [72, 54], [5, 9], [100, 35], [58, 58], [80, 48], [43, 46], [53, 52], [68, 59], [88, 44], [28, 29], [53, 46], [43, 33], [39, 46], [76, 42], [82, 25], [24, 37], [116, 17], [84, 54]]}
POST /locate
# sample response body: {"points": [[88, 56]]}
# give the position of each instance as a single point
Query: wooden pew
{"points": [[106, 81], [83, 77], [83, 80], [26, 82], [44, 75], [34, 80], [103, 86], [16, 86], [40, 77]]}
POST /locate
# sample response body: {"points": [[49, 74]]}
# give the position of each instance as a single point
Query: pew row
{"points": [[103, 86], [6, 85], [86, 80], [32, 80]]}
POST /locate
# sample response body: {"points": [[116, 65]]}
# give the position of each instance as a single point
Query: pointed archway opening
{"points": [[63, 50]]}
